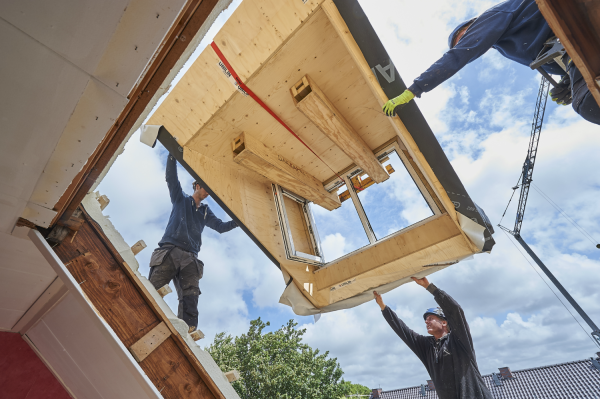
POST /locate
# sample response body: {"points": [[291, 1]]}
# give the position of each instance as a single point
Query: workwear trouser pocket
{"points": [[161, 271], [200, 266]]}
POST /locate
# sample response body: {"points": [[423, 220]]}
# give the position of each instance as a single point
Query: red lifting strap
{"points": [[265, 106]]}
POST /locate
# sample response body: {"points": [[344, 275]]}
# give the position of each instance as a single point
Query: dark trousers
{"points": [[584, 102], [173, 263]]}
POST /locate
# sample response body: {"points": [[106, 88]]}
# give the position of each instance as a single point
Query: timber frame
{"points": [[577, 25], [320, 67]]}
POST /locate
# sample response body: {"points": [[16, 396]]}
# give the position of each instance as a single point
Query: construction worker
{"points": [[176, 257], [448, 356], [518, 30]]}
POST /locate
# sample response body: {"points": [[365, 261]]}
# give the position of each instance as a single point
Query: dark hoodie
{"points": [[450, 361], [516, 28], [187, 222]]}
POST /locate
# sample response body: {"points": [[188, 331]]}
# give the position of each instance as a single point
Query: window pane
{"points": [[394, 204], [298, 227], [340, 230]]}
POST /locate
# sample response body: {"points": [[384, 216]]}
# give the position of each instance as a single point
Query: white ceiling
{"points": [[67, 68], [63, 338], [24, 276]]}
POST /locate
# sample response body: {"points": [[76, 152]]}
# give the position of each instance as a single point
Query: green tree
{"points": [[349, 389], [277, 364]]}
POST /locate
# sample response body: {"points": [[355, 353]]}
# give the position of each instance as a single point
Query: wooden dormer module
{"points": [[319, 67], [254, 155], [313, 103]]}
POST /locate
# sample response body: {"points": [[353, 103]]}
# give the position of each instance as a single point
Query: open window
{"points": [[369, 213], [298, 229]]}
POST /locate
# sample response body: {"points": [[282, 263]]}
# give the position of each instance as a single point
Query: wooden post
{"points": [[138, 247]]}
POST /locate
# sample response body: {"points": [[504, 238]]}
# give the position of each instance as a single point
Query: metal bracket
{"points": [[553, 50]]}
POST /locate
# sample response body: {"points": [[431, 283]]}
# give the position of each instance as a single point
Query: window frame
{"points": [[333, 184], [284, 225]]}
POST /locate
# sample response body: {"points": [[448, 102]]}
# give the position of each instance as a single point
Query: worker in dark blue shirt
{"points": [[176, 258], [518, 30]]}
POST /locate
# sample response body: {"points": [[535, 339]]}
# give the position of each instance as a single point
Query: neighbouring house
{"points": [[571, 380]]}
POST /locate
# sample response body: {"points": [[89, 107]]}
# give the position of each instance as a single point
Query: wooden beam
{"points": [[254, 155], [146, 345], [421, 237], [577, 25], [313, 103]]}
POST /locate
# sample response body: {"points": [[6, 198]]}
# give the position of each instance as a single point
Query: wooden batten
{"points": [[254, 155], [146, 345], [313, 103]]}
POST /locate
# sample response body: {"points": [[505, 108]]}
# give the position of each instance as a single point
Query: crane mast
{"points": [[534, 140], [525, 182]]}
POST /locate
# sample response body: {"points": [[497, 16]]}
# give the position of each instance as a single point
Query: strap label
{"points": [[342, 285], [231, 78]]}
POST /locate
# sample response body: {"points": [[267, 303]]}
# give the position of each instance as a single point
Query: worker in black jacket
{"points": [[448, 355]]}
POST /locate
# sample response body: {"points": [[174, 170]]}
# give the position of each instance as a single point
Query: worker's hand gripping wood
{"points": [[423, 282]]}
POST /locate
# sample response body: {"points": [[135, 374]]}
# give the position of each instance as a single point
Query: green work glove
{"points": [[561, 94], [404, 98]]}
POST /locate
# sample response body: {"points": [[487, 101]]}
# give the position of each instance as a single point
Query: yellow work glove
{"points": [[404, 98]]}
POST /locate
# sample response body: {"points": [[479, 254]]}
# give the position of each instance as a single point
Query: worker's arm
{"points": [[479, 38], [453, 312], [217, 224], [416, 342], [175, 190]]}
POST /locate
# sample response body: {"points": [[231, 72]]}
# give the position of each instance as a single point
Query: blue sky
{"points": [[482, 118]]}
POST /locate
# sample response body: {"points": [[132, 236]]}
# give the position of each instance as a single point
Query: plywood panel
{"points": [[340, 27], [247, 40], [315, 49]]}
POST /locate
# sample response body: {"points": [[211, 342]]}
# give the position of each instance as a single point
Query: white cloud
{"points": [[333, 246]]}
